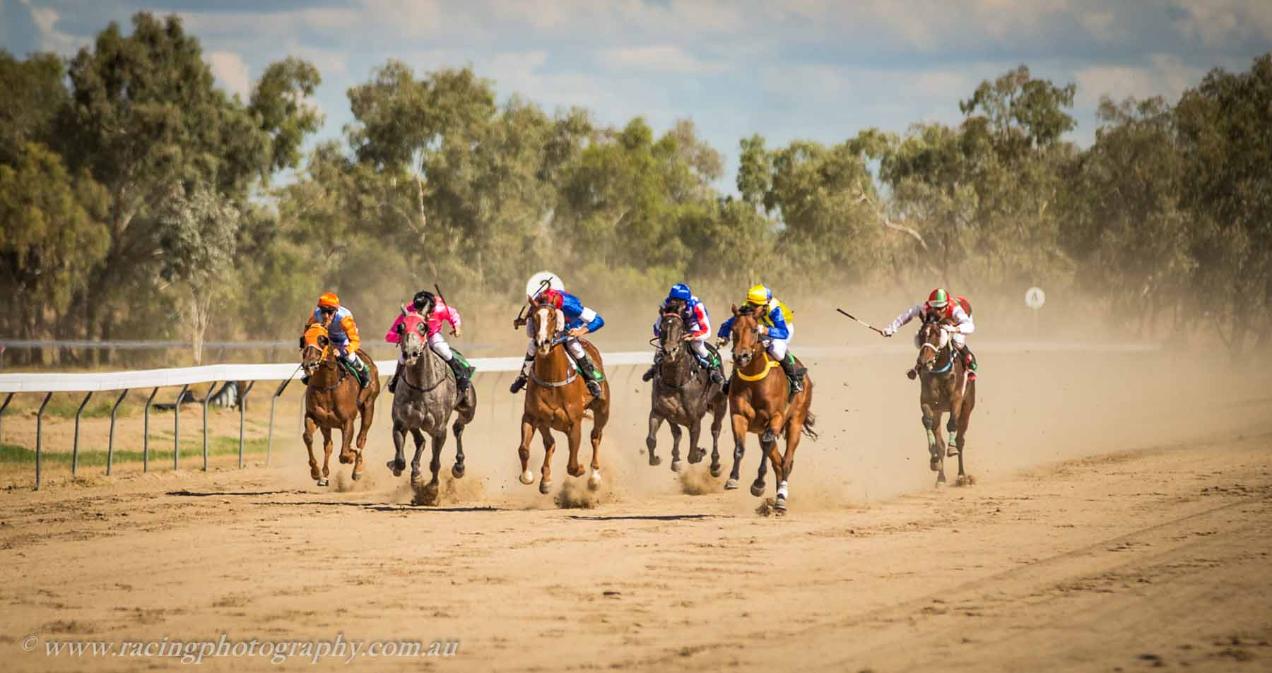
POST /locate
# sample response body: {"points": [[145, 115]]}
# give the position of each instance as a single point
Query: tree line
{"points": [[140, 201]]}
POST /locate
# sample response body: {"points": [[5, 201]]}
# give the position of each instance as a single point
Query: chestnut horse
{"points": [[426, 396], [943, 386], [557, 399], [759, 402], [682, 395], [333, 399]]}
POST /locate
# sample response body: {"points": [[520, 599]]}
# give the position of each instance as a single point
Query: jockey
{"points": [[774, 315], [579, 320], [435, 312], [342, 331], [698, 327], [939, 306]]}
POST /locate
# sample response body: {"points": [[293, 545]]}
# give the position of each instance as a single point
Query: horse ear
{"points": [[301, 343], [735, 310], [323, 340]]}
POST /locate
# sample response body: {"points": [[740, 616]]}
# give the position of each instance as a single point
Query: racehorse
{"points": [[426, 396], [557, 399], [943, 386], [333, 400], [759, 402], [682, 394]]}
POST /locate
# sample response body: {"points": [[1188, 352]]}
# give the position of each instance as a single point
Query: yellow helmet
{"points": [[758, 295]]}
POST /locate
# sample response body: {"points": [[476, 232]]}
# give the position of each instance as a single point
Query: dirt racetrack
{"points": [[1121, 520]]}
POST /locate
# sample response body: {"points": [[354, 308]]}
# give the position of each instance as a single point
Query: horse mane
{"points": [[747, 310]]}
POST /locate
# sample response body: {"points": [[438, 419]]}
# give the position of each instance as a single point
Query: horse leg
{"points": [[939, 451], [457, 470], [717, 421], [929, 426], [523, 450], [308, 436], [695, 433], [439, 441], [549, 448], [740, 424], [575, 439], [768, 447], [676, 434], [794, 431], [951, 427], [964, 419], [347, 454], [651, 440], [600, 417], [368, 413], [326, 456], [399, 460], [418, 435]]}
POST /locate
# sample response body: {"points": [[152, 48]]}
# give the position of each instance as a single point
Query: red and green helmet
{"points": [[939, 298]]}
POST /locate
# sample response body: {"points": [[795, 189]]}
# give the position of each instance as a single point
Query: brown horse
{"points": [[557, 399], [759, 403], [333, 400], [944, 386]]}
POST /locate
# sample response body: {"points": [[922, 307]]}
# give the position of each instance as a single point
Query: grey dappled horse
{"points": [[682, 394]]}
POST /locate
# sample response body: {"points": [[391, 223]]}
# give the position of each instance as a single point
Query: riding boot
{"points": [[393, 381], [716, 365], [461, 373], [520, 381], [970, 363], [304, 379], [360, 369], [793, 372], [653, 369], [591, 375]]}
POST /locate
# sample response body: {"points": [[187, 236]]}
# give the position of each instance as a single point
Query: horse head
{"points": [[671, 332], [412, 336], [932, 341], [746, 335], [315, 346], [549, 321]]}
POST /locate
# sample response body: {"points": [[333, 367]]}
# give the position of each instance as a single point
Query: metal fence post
{"points": [[206, 399], [269, 443], [176, 425], [145, 432], [39, 438], [8, 398], [110, 442], [242, 410], [75, 442]]}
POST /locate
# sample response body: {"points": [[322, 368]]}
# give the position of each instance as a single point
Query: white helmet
{"points": [[542, 281]]}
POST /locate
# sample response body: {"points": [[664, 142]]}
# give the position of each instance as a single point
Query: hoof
{"points": [[952, 451], [416, 477], [575, 471], [594, 480], [940, 480], [717, 470], [964, 480], [935, 463], [526, 478], [323, 482], [457, 470], [545, 486], [696, 455], [731, 485], [675, 466], [654, 460], [397, 466], [347, 458], [779, 505], [357, 474], [757, 488]]}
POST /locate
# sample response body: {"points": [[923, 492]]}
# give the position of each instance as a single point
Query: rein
{"points": [[950, 358], [420, 389], [339, 380], [570, 373]]}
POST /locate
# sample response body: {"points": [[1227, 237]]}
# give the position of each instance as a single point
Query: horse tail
{"points": [[808, 429]]}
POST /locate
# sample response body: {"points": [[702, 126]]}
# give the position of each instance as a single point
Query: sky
{"points": [[798, 69]]}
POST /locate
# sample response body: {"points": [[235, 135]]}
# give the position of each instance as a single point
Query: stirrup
{"points": [[393, 382]]}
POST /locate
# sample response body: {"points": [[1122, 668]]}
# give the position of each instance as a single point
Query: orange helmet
{"points": [[329, 300]]}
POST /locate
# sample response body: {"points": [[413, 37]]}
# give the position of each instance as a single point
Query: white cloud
{"points": [[658, 58], [231, 71], [1164, 75], [51, 39], [1217, 22]]}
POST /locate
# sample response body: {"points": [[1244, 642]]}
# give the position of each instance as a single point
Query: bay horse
{"points": [[333, 400], [557, 399], [759, 402], [682, 395], [427, 394], [943, 387]]}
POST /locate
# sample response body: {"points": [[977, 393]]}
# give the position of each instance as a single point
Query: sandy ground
{"points": [[1119, 521]]}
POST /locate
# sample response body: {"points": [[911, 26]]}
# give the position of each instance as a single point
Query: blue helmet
{"points": [[680, 291]]}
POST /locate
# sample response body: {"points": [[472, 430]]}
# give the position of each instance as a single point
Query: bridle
{"points": [[557, 338], [407, 359], [937, 351]]}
